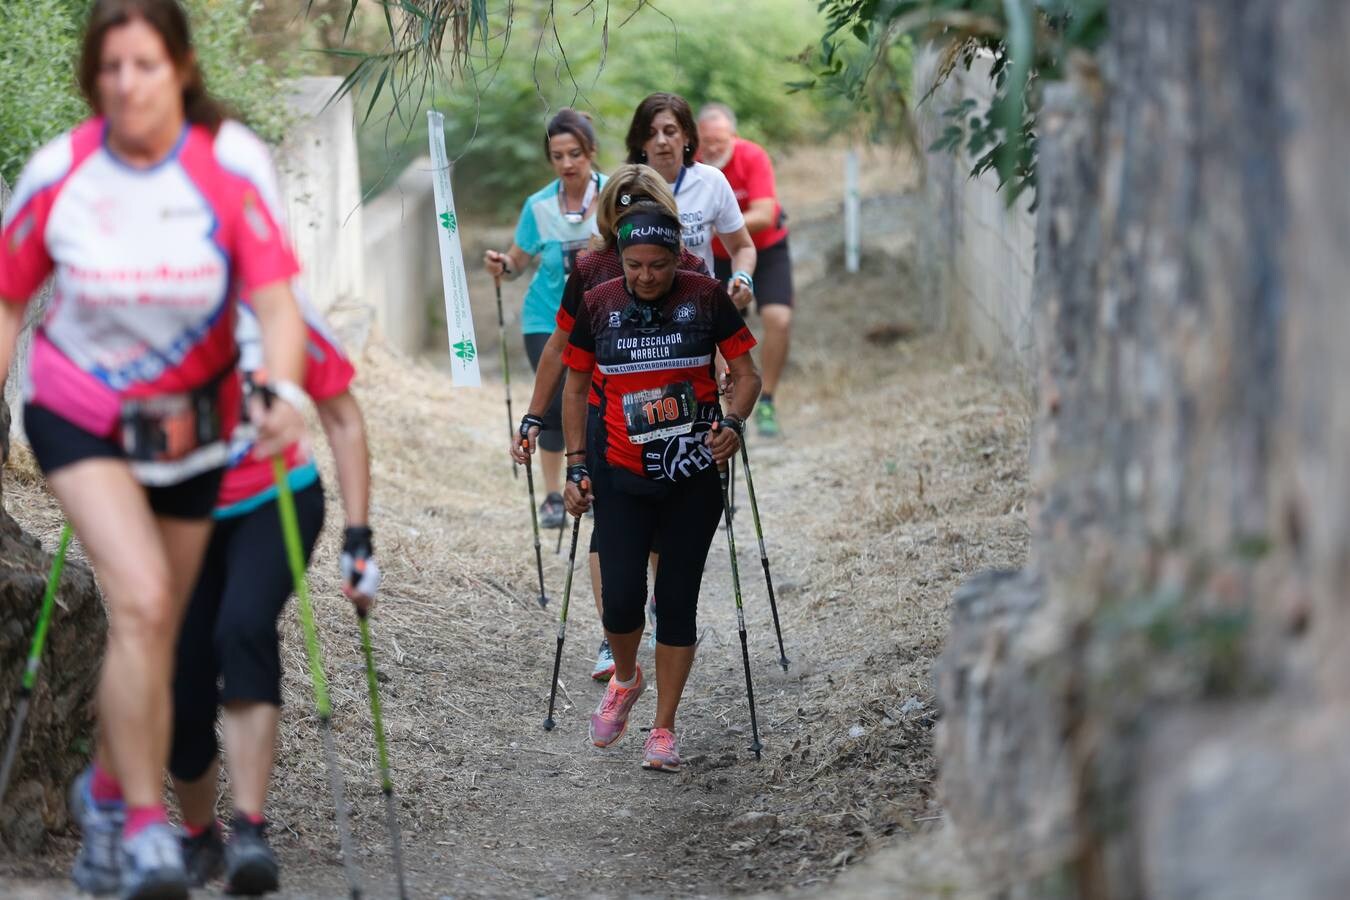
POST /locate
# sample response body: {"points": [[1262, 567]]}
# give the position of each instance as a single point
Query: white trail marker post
{"points": [[458, 315]]}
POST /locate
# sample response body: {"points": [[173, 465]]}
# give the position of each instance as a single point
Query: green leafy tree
{"points": [[1030, 42], [498, 90], [39, 46]]}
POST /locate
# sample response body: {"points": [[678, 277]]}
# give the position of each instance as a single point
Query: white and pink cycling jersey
{"points": [[148, 265]]}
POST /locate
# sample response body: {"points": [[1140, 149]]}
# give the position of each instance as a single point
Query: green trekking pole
{"points": [[386, 782], [290, 529], [34, 660]]}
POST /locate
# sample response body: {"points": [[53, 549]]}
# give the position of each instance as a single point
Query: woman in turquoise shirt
{"points": [[555, 225]]}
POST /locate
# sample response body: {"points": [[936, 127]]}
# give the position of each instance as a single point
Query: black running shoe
{"points": [[204, 856], [250, 865], [552, 512]]}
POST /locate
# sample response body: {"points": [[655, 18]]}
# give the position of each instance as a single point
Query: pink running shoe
{"points": [[610, 719], [661, 753]]}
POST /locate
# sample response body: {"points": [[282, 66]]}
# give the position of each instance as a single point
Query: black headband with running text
{"points": [[649, 228]]}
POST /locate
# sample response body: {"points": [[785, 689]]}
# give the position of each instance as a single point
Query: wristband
{"points": [[744, 278], [581, 452], [578, 474], [527, 422], [358, 540], [735, 423], [291, 392]]}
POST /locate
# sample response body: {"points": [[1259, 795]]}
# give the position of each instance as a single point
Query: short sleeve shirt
{"points": [[328, 373], [707, 207], [750, 174], [147, 264], [543, 231], [596, 268], [642, 370]]}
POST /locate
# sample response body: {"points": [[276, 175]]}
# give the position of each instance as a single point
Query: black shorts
{"points": [[773, 275], [633, 517], [228, 647], [551, 437], [58, 443]]}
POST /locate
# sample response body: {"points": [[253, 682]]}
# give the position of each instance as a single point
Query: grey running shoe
{"points": [[250, 865], [97, 865], [152, 865], [204, 856], [552, 512]]}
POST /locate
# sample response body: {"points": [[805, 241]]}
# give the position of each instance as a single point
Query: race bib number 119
{"points": [[655, 413]]}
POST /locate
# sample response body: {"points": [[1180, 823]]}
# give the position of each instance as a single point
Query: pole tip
{"points": [[548, 724], [784, 663], [757, 747], [543, 602]]}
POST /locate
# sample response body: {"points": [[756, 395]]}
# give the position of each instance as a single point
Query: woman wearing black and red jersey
{"points": [[646, 342], [628, 185]]}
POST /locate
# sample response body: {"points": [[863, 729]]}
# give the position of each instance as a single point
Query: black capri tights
{"points": [[230, 630], [550, 436], [678, 522]]}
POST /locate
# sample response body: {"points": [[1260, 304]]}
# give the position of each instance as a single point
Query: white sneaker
{"points": [[97, 868], [651, 620], [604, 663], [152, 865]]}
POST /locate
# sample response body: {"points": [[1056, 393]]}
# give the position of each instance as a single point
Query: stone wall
{"points": [[1157, 707], [978, 254]]}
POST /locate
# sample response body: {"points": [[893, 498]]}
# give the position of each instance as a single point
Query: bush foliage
{"points": [[39, 43], [743, 54]]}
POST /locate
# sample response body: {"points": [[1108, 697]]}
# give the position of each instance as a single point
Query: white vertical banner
{"points": [[458, 316]]}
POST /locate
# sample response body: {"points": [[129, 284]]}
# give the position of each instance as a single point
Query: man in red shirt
{"points": [[747, 167]]}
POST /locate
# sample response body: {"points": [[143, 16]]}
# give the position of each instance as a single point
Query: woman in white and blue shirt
{"points": [[555, 225]]}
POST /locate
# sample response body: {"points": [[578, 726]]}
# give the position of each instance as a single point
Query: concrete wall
{"points": [[979, 255], [321, 188], [402, 258]]}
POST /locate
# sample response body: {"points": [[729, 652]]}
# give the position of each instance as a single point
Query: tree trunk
{"points": [[1157, 708], [56, 739]]}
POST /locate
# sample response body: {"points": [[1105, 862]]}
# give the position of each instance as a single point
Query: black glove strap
{"points": [[529, 421], [578, 473], [358, 541], [735, 423]]}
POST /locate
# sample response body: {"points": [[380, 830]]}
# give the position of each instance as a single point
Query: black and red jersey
{"points": [[599, 266], [653, 372]]}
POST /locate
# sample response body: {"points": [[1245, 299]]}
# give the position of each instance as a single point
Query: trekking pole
{"points": [[740, 617], [506, 373], [534, 520], [763, 555], [34, 660], [290, 529], [562, 618], [730, 485], [386, 782], [557, 551]]}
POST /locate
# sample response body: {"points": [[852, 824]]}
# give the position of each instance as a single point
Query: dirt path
{"points": [[901, 473]]}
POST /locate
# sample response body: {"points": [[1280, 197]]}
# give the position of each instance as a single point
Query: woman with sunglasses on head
{"points": [[663, 135], [555, 226], [645, 343], [152, 217], [628, 185]]}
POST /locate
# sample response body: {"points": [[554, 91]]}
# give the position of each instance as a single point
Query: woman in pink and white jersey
{"points": [[152, 218]]}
